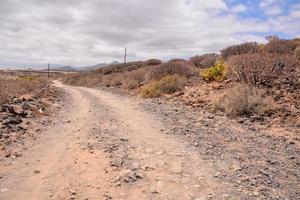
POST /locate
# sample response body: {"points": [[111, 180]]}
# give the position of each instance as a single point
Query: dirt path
{"points": [[103, 146]]}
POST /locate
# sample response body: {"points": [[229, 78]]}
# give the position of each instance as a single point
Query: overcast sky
{"points": [[86, 32]]}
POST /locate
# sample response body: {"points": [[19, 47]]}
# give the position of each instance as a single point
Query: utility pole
{"points": [[48, 70], [125, 56]]}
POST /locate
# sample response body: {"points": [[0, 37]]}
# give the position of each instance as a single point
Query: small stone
{"points": [[217, 174], [256, 194], [37, 171]]}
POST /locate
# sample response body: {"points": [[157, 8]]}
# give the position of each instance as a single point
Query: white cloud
{"points": [[239, 8], [76, 32], [273, 10]]}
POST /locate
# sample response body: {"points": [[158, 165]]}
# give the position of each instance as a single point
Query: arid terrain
{"points": [[212, 127]]}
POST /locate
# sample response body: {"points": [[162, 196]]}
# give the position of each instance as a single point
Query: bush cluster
{"points": [[204, 61], [169, 68], [215, 73], [248, 47], [153, 62], [267, 69], [282, 46], [134, 79]]}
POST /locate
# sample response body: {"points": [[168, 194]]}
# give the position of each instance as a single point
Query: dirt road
{"points": [[104, 146]]}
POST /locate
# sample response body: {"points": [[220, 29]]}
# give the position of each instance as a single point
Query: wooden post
{"points": [[48, 70], [125, 56]]}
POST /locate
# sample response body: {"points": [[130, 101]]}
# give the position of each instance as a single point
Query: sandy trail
{"points": [[70, 159]]}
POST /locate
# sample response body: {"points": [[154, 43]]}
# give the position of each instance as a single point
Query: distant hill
{"points": [[80, 69]]}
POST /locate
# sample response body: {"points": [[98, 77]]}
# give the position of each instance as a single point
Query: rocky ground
{"points": [[21, 116], [256, 162], [108, 145]]}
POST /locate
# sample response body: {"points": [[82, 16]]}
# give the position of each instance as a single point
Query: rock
{"points": [[16, 109], [28, 113], [128, 176], [256, 193], [18, 154], [12, 120], [13, 127], [6, 153], [73, 192], [218, 174], [37, 171], [210, 116], [241, 120], [17, 100], [116, 163]]}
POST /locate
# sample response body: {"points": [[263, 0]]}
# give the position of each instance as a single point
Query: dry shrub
{"points": [[176, 60], [107, 70], [15, 87], [169, 84], [153, 62], [169, 68], [116, 80], [248, 47], [297, 53], [204, 61], [123, 67], [282, 46], [242, 100], [264, 69], [134, 79], [215, 73], [82, 79], [130, 84]]}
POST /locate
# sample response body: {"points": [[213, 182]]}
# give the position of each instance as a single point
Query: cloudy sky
{"points": [[86, 32]]}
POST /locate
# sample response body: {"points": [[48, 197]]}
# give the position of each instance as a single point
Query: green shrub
{"points": [[168, 84], [215, 73]]}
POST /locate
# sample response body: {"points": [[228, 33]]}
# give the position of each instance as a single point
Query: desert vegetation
{"points": [[247, 73], [205, 60], [18, 86]]}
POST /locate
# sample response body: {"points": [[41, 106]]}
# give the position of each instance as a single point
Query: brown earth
{"points": [[103, 145]]}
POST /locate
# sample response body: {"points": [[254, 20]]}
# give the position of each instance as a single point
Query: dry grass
{"points": [[15, 87], [167, 85]]}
